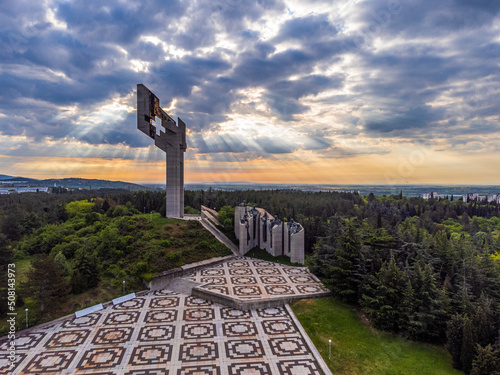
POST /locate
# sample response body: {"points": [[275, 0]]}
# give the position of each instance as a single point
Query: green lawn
{"points": [[359, 349], [22, 268]]}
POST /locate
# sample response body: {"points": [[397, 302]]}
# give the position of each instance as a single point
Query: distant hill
{"points": [[4, 177], [85, 183], [75, 183]]}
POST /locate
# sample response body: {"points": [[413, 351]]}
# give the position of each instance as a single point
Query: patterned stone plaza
{"points": [[164, 332], [252, 279]]}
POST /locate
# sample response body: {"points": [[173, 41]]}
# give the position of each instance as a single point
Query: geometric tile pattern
{"points": [[164, 302], [151, 355], [85, 321], [239, 329], [303, 367], [236, 349], [166, 333], [272, 312], [6, 365], [50, 362], [160, 316], [25, 341], [278, 327], [198, 315], [67, 339], [112, 335], [287, 346], [148, 372], [122, 317], [135, 303], [251, 279], [229, 313], [198, 331], [199, 370], [156, 333], [199, 351], [101, 357], [257, 368]]}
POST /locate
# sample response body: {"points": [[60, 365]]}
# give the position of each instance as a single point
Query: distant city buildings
{"points": [[255, 227], [24, 189], [470, 197]]}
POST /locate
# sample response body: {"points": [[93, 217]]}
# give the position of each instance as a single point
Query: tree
{"points": [[431, 305], [105, 206], [383, 296], [45, 282], [454, 335], [86, 274], [225, 217], [342, 272], [468, 351], [407, 307], [487, 361]]}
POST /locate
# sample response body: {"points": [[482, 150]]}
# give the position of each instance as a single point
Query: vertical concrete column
{"points": [[297, 247], [277, 239], [171, 139]]}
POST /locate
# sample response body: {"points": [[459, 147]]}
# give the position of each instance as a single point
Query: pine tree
{"points": [[454, 335], [484, 322], [487, 361], [406, 323], [468, 351], [45, 282], [342, 272], [383, 296], [430, 314]]}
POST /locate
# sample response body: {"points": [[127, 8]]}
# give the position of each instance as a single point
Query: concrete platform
{"points": [[247, 283], [162, 333]]}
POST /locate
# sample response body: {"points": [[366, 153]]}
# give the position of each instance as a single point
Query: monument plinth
{"points": [[171, 139]]}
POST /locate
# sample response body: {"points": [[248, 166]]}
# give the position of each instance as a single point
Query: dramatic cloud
{"points": [[256, 81]]}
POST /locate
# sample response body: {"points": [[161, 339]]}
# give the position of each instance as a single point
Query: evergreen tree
{"points": [[484, 320], [86, 273], [383, 296], [105, 206], [342, 272], [407, 307], [454, 335], [487, 361], [45, 282], [468, 351], [430, 314]]}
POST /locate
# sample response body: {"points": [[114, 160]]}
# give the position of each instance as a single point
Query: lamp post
{"points": [[26, 317], [329, 349], [123, 286]]}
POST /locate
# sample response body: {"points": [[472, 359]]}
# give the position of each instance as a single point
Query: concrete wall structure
{"points": [[172, 140], [255, 227]]}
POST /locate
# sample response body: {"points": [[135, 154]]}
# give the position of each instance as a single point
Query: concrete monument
{"points": [[172, 140], [256, 227]]}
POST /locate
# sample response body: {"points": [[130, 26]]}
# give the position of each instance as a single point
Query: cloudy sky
{"points": [[293, 91]]}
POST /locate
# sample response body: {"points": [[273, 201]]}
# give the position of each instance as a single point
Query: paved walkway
{"points": [[165, 333], [253, 279]]}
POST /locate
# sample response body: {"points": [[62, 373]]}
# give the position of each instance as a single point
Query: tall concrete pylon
{"points": [[172, 141]]}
